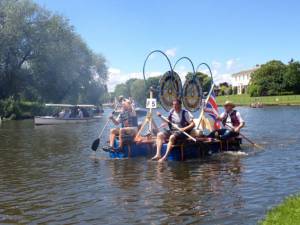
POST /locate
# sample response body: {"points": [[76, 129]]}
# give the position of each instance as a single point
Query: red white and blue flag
{"points": [[212, 109]]}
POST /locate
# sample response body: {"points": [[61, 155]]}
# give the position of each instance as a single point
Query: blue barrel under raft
{"points": [[180, 152]]}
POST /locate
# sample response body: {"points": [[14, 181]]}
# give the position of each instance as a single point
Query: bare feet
{"points": [[162, 159], [156, 157]]}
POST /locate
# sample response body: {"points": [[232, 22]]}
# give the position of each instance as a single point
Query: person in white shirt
{"points": [[183, 119], [80, 113], [61, 114], [232, 122]]}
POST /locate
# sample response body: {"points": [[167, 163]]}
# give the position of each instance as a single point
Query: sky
{"points": [[229, 35]]}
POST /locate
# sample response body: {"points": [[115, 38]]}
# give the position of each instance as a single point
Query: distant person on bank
{"points": [[232, 122], [128, 120], [183, 119]]}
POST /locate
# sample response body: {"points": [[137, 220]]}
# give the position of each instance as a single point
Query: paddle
{"points": [[247, 139], [176, 127], [96, 142]]}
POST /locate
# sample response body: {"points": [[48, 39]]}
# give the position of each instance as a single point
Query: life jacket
{"points": [[183, 121], [131, 120], [234, 119]]}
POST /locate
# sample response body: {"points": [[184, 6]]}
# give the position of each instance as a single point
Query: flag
{"points": [[212, 110]]}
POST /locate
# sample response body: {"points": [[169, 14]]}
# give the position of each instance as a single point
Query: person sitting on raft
{"points": [[232, 123], [128, 120], [183, 119]]}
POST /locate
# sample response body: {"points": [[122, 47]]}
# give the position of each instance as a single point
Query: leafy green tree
{"points": [[121, 89], [128, 84], [137, 90], [292, 77], [43, 59], [268, 79], [205, 80], [153, 82]]}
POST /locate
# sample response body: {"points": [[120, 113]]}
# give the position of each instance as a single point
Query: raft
{"points": [[180, 152]]}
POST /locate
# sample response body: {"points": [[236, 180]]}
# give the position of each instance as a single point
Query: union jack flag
{"points": [[212, 109]]}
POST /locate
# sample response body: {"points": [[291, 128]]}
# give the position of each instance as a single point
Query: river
{"points": [[49, 175]]}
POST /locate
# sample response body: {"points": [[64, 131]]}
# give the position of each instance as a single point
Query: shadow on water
{"points": [[49, 175]]}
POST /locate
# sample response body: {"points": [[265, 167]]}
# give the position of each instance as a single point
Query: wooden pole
{"points": [[204, 106], [150, 112]]}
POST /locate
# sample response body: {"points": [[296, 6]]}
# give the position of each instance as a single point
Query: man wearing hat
{"points": [[232, 122]]}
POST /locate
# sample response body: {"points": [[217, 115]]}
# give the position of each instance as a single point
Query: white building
{"points": [[241, 79]]}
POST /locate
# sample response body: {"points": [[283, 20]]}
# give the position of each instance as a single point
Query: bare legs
{"points": [[113, 133], [126, 131], [159, 142], [169, 148]]}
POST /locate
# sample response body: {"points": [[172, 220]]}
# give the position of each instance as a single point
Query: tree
{"points": [[137, 90], [153, 82], [292, 77], [121, 89], [205, 80], [225, 84], [43, 59], [268, 79]]}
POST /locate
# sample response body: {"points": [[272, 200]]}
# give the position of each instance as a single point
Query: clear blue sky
{"points": [[229, 35]]}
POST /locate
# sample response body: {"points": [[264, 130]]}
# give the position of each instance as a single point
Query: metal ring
{"points": [[155, 51], [205, 64]]}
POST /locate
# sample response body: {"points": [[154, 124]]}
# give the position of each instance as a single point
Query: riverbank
{"points": [[246, 100], [287, 213], [10, 109]]}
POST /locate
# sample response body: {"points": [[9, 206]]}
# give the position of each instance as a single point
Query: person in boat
{"points": [[183, 119], [73, 112], [128, 121], [67, 114], [232, 122], [61, 114], [80, 113]]}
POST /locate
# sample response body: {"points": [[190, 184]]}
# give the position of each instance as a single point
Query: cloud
{"points": [[114, 71], [231, 63], [171, 52], [116, 76], [223, 77], [216, 64], [220, 73]]}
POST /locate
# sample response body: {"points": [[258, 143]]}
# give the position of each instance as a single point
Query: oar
{"points": [[96, 142], [247, 139], [176, 127]]}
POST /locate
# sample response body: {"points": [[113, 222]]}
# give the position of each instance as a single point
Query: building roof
{"points": [[245, 72]]}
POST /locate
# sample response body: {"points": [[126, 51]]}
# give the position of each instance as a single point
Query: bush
{"points": [[16, 109], [10, 108], [234, 91]]}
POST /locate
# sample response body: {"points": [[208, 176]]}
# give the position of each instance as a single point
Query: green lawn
{"points": [[287, 213], [268, 100]]}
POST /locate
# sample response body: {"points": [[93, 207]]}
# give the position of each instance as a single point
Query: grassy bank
{"points": [[11, 109], [268, 100], [287, 213]]}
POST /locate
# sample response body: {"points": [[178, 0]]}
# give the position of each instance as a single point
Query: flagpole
{"points": [[205, 103]]}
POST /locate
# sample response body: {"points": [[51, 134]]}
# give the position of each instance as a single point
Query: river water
{"points": [[48, 175]]}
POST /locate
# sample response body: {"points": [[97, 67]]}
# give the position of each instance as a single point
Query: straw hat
{"points": [[229, 103]]}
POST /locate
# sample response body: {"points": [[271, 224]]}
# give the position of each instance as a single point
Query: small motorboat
{"points": [[91, 113]]}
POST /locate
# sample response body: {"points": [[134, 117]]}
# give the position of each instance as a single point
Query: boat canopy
{"points": [[69, 105]]}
